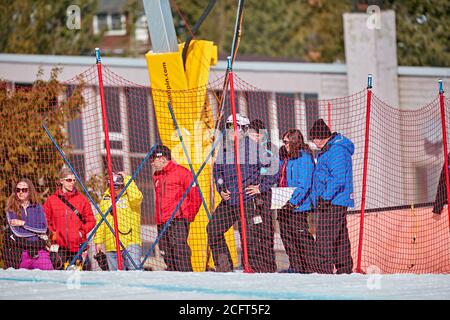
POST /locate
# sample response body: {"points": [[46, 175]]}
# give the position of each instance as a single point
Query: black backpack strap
{"points": [[67, 203]]}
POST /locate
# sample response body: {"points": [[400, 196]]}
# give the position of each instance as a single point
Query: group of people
{"points": [[312, 222], [323, 190], [46, 236], [50, 236]]}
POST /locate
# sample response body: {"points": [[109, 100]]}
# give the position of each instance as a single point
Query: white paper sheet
{"points": [[280, 196]]}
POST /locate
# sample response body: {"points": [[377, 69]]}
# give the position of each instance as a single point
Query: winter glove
{"points": [[288, 206], [437, 209], [102, 260], [323, 204]]}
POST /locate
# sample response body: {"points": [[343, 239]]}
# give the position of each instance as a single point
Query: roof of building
{"points": [[275, 66], [115, 6]]}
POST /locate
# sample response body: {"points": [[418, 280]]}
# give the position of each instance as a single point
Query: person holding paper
{"points": [[251, 160], [296, 171], [332, 194], [264, 231]]}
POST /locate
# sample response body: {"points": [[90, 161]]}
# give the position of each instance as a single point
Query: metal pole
{"points": [[238, 169], [108, 157], [444, 142], [364, 181]]}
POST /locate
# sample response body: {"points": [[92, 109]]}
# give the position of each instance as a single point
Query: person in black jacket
{"points": [[252, 159], [265, 230], [441, 195]]}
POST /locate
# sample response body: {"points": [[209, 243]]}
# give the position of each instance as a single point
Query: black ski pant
{"points": [[332, 240], [259, 235], [297, 241], [174, 246]]}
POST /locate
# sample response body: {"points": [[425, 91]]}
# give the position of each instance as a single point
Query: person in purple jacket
{"points": [[28, 226]]}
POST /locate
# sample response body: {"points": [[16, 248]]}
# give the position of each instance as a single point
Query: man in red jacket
{"points": [[69, 216], [171, 182]]}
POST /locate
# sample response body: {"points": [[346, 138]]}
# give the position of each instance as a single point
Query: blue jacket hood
{"points": [[339, 140], [333, 176]]}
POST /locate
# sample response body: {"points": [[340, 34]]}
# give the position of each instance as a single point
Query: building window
{"points": [[75, 130], [258, 106], [114, 144], [141, 32], [116, 22], [144, 181], [112, 101], [113, 24], [117, 164], [101, 22], [138, 119], [77, 160], [286, 112], [311, 110]]}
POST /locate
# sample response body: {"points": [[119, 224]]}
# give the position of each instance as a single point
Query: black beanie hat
{"points": [[319, 130], [257, 125], [161, 151]]}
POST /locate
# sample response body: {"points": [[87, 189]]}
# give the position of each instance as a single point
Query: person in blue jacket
{"points": [[251, 160], [297, 171], [332, 194]]}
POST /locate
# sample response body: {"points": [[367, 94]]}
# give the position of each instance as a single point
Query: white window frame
{"points": [[110, 32]]}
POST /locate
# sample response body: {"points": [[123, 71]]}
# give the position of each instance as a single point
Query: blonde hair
{"points": [[64, 172]]}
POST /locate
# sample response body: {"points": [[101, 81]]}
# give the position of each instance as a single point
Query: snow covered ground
{"points": [[160, 285]]}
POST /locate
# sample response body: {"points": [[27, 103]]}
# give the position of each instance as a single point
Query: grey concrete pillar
{"points": [[372, 48]]}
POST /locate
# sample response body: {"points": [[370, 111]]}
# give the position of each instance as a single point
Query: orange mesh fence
{"points": [[185, 188]]}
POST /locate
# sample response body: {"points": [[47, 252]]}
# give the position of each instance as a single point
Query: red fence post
{"points": [[238, 169], [108, 157], [364, 181], [329, 116], [444, 142]]}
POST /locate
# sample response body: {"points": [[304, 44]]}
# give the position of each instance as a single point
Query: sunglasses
{"points": [[69, 180], [23, 190], [229, 125]]}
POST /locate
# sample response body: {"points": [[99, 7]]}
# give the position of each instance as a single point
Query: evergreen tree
{"points": [[40, 27], [312, 30], [423, 32]]}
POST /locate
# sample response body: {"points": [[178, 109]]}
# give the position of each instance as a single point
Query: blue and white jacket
{"points": [[333, 176], [35, 222]]}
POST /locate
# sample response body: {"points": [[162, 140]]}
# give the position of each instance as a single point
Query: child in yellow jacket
{"points": [[128, 210]]}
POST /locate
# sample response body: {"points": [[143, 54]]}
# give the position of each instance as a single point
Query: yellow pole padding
{"points": [[186, 91]]}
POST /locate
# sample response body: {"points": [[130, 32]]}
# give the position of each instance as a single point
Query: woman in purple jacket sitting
{"points": [[28, 226]]}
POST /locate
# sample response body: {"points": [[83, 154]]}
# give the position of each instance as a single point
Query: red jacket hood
{"points": [[68, 195]]}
